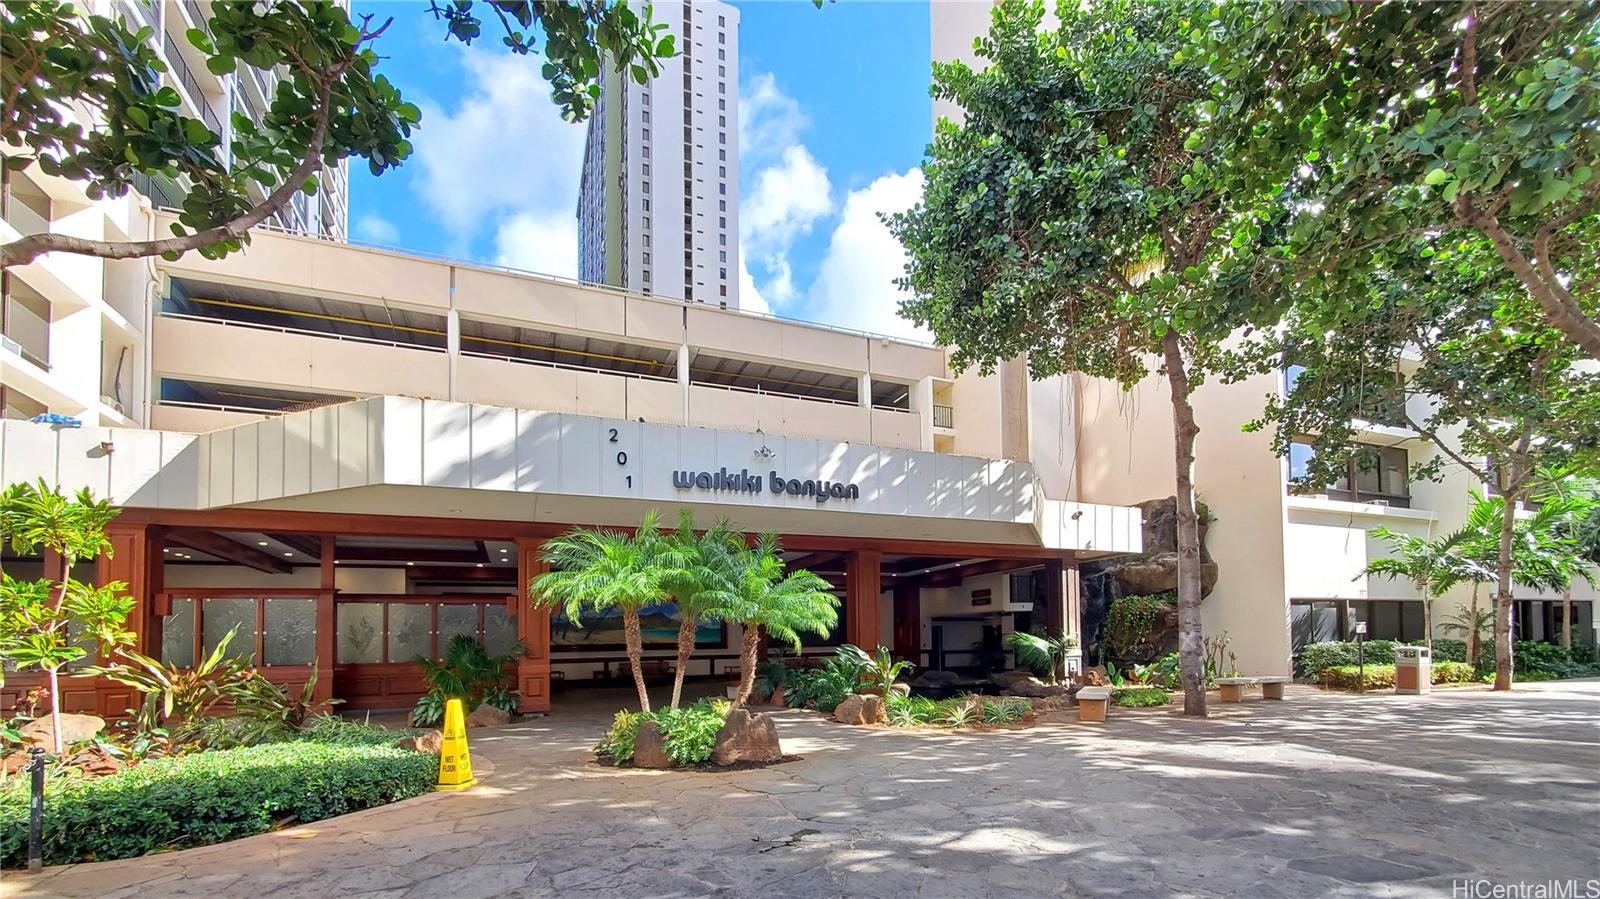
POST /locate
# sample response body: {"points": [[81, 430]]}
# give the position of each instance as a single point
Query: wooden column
{"points": [[908, 623], [136, 560], [863, 576], [327, 623], [1053, 616], [533, 629]]}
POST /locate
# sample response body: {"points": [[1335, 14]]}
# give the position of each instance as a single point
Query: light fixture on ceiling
{"points": [[261, 543], [763, 451], [288, 554], [411, 563]]}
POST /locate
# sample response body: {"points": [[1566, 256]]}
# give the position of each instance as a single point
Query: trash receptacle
{"points": [[1413, 670]]}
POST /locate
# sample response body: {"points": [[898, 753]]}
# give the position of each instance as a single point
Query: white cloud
{"points": [[769, 120], [546, 245], [855, 285], [502, 158], [750, 299], [376, 229], [789, 191]]}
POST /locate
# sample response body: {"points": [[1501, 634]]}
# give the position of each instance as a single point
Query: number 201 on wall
{"points": [[622, 457]]}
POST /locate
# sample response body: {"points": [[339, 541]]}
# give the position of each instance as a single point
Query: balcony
{"points": [[26, 332], [944, 416]]}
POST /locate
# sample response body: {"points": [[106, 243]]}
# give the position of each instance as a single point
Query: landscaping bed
{"points": [[179, 801]]}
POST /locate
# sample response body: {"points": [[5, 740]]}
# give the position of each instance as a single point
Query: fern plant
{"points": [[469, 673]]}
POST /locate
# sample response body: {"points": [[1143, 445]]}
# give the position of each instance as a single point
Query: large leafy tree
{"points": [[1469, 361], [767, 598], [330, 104], [50, 622], [1072, 218], [599, 570], [1575, 536], [1386, 120]]}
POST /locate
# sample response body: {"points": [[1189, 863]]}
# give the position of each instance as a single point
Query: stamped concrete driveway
{"points": [[1322, 795]]}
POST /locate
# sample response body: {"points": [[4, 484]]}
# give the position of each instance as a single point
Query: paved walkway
{"points": [[1322, 795]]}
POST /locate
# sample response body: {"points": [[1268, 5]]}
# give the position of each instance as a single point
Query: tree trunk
{"points": [[635, 643], [1427, 622], [1474, 643], [55, 707], [1566, 618], [686, 630], [1502, 598], [749, 655], [1191, 646]]}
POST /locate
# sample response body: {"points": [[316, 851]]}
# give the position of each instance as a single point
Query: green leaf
{"points": [[221, 65], [1436, 176]]}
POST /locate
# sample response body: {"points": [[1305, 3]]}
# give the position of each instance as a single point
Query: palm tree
{"points": [[1577, 532], [1471, 623], [1431, 565], [698, 570], [785, 604], [1044, 651], [598, 570]]}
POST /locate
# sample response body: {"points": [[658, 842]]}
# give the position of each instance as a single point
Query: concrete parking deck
{"points": [[1322, 795]]}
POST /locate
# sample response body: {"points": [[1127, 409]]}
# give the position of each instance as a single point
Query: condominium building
{"points": [[73, 328], [1291, 565], [658, 205]]}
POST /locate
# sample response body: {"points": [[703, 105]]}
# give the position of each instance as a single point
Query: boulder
{"points": [[874, 710], [1094, 676], [1026, 685], [776, 699], [1053, 703], [745, 737], [849, 711], [936, 679], [1158, 574], [431, 742], [487, 715], [649, 747], [74, 729]]}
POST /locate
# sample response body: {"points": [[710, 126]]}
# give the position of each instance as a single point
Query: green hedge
{"points": [[1381, 677], [1140, 697], [209, 797]]}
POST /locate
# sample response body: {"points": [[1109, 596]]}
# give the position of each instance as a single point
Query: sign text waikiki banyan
{"points": [[742, 481]]}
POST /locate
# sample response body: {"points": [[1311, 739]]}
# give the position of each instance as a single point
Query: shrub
{"points": [[1132, 618], [688, 734], [468, 673], [822, 688], [618, 741], [209, 797], [959, 711], [1333, 654], [1544, 661], [910, 711], [1449, 651], [336, 731], [1349, 677], [1453, 672], [1140, 698], [1005, 710]]}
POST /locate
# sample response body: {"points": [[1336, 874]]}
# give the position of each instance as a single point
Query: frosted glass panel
{"points": [[409, 624], [291, 637], [499, 629], [222, 616], [456, 619], [177, 634], [359, 636]]}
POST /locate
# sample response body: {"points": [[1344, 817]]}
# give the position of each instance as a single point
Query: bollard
{"points": [[36, 810]]}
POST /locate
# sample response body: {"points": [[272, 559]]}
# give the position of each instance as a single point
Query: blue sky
{"points": [[834, 117]]}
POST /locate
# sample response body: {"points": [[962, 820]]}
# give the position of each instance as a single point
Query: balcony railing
{"points": [[26, 334], [191, 86], [25, 219], [944, 416]]}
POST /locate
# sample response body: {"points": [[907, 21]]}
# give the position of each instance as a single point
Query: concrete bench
{"points": [[1092, 703], [1233, 687]]}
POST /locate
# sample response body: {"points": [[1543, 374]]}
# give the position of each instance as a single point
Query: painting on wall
{"points": [[658, 626]]}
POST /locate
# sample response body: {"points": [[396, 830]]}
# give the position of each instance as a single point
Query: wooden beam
{"points": [[311, 546], [501, 575], [408, 554], [816, 561], [915, 563], [214, 544]]}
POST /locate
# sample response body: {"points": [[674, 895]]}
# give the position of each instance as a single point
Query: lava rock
{"points": [[649, 747], [745, 737], [431, 742], [487, 715], [74, 729]]}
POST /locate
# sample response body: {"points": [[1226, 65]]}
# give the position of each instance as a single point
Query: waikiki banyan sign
{"points": [[742, 481]]}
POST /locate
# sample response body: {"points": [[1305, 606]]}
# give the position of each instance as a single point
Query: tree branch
{"points": [[1559, 305], [27, 249]]}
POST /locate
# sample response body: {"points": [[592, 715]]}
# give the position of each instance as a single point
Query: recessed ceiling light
{"points": [[411, 563], [166, 550], [288, 554], [480, 564], [261, 543]]}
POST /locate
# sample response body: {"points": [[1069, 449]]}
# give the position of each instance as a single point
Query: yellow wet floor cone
{"points": [[455, 765]]}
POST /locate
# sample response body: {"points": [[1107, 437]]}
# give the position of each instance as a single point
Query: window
{"points": [[723, 254], [722, 155], [287, 634], [722, 53], [722, 221], [724, 289], [722, 121], [644, 99], [722, 189], [722, 37], [722, 71], [645, 204], [722, 21], [647, 223], [722, 239], [646, 258], [722, 104], [647, 240], [646, 187], [400, 631], [647, 169], [722, 205], [722, 87], [1373, 473], [647, 134], [646, 276], [722, 273], [645, 151], [722, 171]]}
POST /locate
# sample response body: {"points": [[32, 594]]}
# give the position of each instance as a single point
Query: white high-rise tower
{"points": [[658, 211]]}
